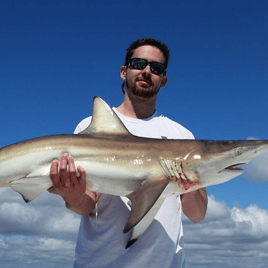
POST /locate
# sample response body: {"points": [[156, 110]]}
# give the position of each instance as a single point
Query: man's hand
{"points": [[184, 183], [194, 204], [65, 180]]}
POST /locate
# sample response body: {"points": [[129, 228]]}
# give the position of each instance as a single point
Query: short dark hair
{"points": [[147, 41]]}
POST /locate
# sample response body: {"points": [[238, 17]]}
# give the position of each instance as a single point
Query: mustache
{"points": [[147, 80]]}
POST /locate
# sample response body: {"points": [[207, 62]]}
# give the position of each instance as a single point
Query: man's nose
{"points": [[147, 69]]}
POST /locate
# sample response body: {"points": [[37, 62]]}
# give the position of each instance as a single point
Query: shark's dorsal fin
{"points": [[143, 199], [104, 120]]}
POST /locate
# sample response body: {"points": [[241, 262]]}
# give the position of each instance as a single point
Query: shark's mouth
{"points": [[235, 167]]}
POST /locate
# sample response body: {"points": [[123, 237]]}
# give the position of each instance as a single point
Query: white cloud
{"points": [[46, 216], [41, 233], [217, 210], [256, 170], [253, 219], [234, 237], [23, 251], [44, 232]]}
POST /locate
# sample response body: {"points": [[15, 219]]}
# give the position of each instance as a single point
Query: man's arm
{"points": [[194, 204], [86, 206], [70, 187]]}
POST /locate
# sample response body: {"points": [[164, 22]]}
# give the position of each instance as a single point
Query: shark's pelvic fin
{"points": [[143, 199], [32, 184], [146, 220], [31, 187], [104, 120]]}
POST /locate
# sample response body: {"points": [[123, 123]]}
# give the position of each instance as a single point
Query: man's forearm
{"points": [[194, 204]]}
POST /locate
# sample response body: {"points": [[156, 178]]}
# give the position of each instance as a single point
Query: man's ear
{"points": [[123, 72], [164, 81]]}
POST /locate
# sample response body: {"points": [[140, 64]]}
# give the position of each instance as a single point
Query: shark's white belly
{"points": [[113, 179]]}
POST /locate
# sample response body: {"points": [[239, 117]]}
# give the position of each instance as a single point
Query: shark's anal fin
{"points": [[104, 120], [143, 199]]}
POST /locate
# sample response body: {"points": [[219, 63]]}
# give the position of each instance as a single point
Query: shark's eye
{"points": [[238, 151]]}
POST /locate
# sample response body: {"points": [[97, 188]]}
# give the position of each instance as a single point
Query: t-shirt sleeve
{"points": [[82, 125]]}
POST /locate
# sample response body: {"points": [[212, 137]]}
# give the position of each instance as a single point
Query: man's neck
{"points": [[137, 107]]}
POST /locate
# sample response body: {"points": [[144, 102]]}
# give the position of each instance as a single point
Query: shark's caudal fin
{"points": [[104, 120], [143, 199]]}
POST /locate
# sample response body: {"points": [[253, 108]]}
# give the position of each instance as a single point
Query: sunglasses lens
{"points": [[157, 68], [140, 64]]}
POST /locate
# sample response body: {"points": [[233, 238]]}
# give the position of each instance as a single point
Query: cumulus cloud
{"points": [[227, 237], [23, 251], [45, 215], [43, 233], [256, 170]]}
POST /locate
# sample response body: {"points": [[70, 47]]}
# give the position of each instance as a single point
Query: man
{"points": [[101, 242]]}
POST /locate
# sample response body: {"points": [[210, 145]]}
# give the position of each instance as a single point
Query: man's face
{"points": [[144, 83]]}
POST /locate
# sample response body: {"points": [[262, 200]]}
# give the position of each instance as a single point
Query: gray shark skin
{"points": [[118, 163]]}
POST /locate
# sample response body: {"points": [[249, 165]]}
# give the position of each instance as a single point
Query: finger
{"points": [[182, 176], [185, 184], [72, 170], [82, 178], [64, 173], [54, 174]]}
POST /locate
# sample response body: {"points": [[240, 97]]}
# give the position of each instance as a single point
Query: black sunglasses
{"points": [[140, 64]]}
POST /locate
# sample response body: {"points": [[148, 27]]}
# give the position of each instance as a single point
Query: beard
{"points": [[140, 91]]}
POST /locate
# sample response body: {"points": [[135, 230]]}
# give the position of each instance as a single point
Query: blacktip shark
{"points": [[117, 163]]}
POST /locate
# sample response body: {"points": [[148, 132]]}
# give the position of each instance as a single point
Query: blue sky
{"points": [[55, 56]]}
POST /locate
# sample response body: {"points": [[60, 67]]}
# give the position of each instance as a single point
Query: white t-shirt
{"points": [[101, 242]]}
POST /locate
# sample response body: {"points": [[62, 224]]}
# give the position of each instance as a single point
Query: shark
{"points": [[118, 163]]}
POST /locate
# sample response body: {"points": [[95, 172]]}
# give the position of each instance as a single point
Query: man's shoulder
{"points": [[176, 127]]}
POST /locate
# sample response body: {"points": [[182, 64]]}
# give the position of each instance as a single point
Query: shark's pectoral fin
{"points": [[143, 199], [147, 219], [144, 223], [31, 187]]}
